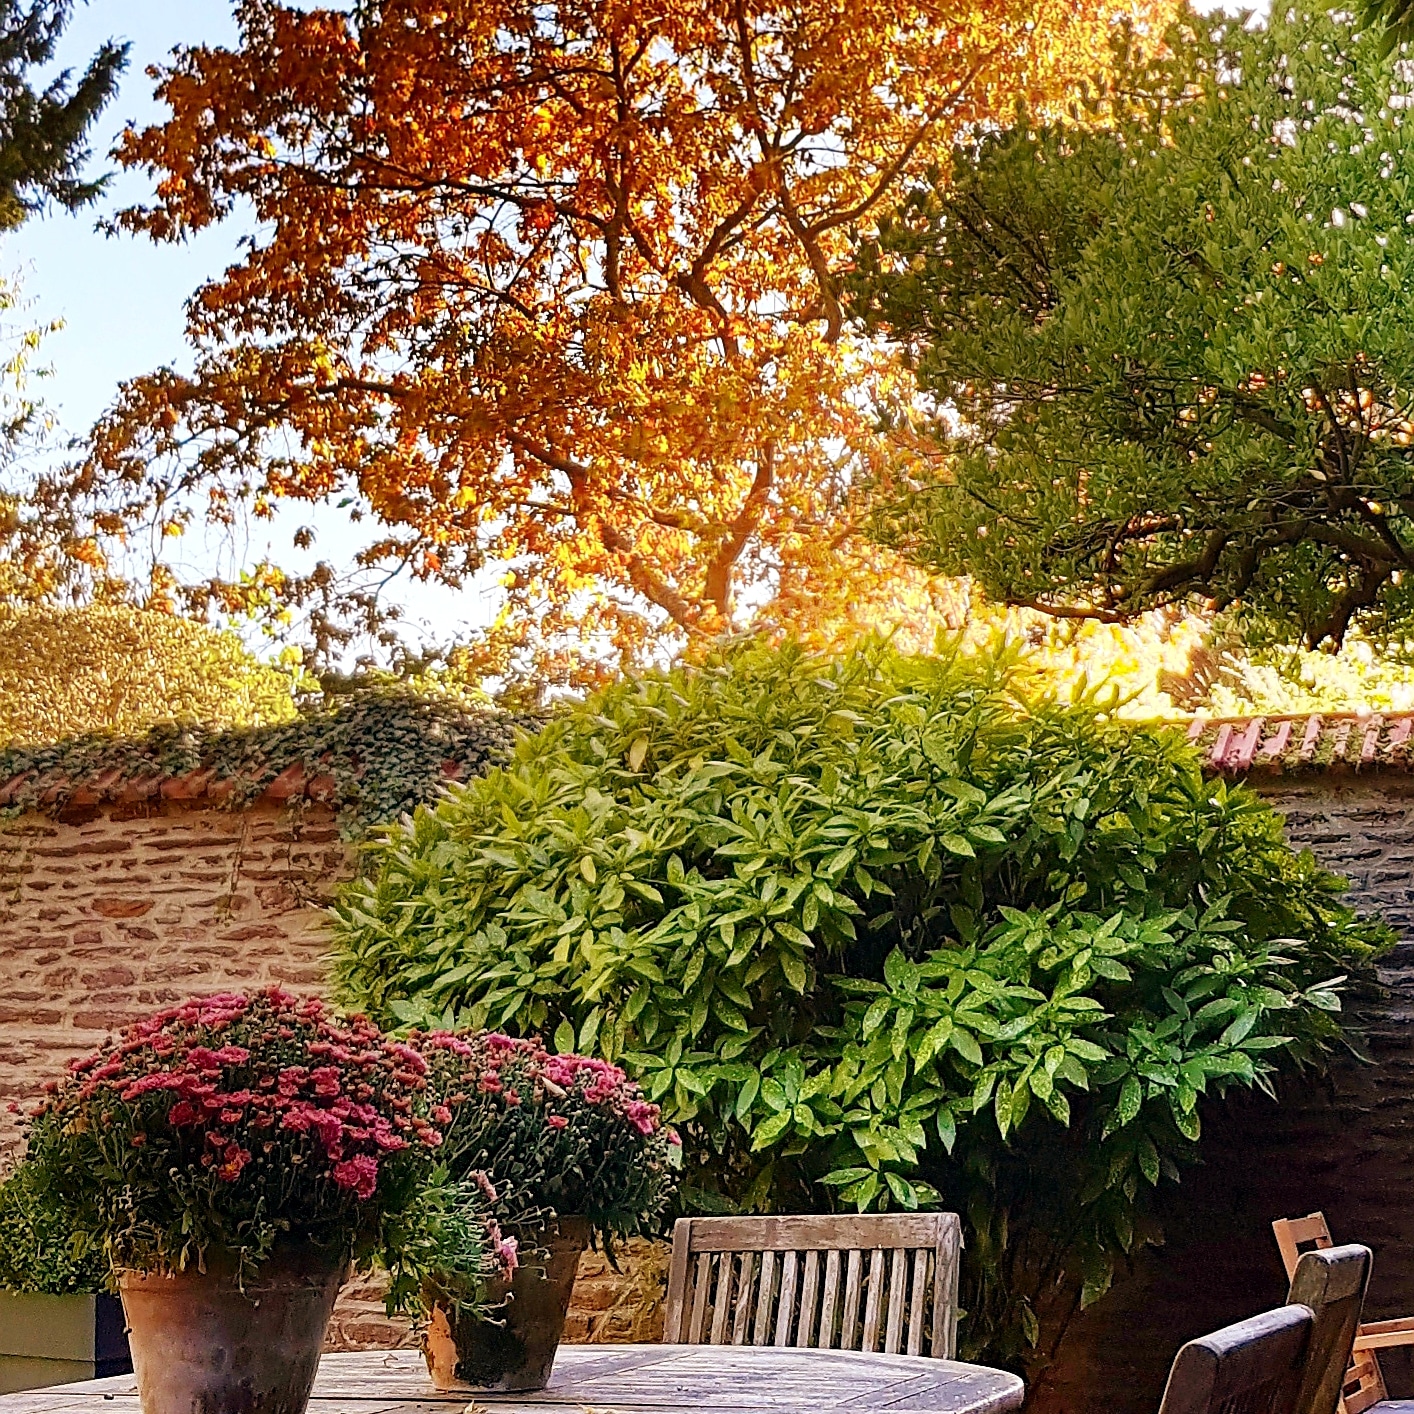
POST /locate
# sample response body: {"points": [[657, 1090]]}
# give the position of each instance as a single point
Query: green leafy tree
{"points": [[884, 928], [44, 132], [1174, 360]]}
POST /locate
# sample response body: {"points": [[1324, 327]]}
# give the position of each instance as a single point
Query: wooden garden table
{"points": [[622, 1379]]}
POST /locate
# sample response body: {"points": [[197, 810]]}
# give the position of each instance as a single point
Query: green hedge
{"points": [[36, 1252], [881, 931]]}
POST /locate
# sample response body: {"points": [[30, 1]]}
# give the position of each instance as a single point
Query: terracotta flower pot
{"points": [[513, 1348], [203, 1344]]}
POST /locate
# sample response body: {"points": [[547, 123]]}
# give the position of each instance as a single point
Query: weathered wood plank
{"points": [[801, 1233], [809, 1294], [898, 1271], [722, 1301], [947, 1263], [743, 1299], [699, 1298], [829, 1300], [849, 1323], [873, 1302], [917, 1300], [763, 1298], [785, 1308], [677, 1282]]}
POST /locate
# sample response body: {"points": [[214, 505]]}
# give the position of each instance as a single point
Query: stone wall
{"points": [[105, 918]]}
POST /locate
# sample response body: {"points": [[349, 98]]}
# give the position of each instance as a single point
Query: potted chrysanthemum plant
{"points": [[229, 1159], [568, 1151]]}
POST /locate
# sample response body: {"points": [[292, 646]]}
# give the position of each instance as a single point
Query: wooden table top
{"points": [[622, 1379]]}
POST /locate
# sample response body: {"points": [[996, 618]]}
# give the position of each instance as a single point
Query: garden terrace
{"points": [[130, 877]]}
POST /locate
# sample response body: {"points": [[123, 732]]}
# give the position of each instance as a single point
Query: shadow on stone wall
{"points": [[1344, 1145]]}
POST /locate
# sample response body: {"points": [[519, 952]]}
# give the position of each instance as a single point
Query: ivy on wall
{"points": [[380, 753]]}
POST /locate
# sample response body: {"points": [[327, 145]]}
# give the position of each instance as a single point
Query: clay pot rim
{"points": [[290, 1265]]}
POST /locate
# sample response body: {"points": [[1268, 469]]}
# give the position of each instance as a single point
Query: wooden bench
{"points": [[802, 1281]]}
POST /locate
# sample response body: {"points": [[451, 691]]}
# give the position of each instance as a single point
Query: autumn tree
{"points": [[556, 286], [1174, 361]]}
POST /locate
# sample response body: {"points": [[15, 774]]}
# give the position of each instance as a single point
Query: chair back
{"points": [[1364, 1384], [872, 1282], [1295, 1235], [1254, 1367], [1332, 1281]]}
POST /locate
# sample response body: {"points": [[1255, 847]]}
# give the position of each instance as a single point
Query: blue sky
{"points": [[121, 298]]}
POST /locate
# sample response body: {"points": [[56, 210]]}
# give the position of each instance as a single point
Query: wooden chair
{"points": [[1288, 1361], [1254, 1367], [800, 1281], [1364, 1386], [1332, 1283]]}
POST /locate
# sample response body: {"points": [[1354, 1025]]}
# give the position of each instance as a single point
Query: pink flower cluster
{"points": [[269, 1074], [507, 1066]]}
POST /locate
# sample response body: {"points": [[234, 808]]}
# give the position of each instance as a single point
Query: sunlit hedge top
{"points": [[113, 668], [840, 916]]}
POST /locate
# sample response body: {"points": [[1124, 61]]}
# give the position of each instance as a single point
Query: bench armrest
{"points": [[1382, 1335]]}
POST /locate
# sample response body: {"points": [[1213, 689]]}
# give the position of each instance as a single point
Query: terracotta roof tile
{"points": [[1317, 741]]}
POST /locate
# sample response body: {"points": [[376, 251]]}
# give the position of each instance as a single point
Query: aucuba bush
{"points": [[236, 1122], [880, 930], [564, 1134]]}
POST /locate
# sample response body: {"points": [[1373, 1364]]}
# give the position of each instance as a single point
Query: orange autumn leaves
{"points": [[558, 286]]}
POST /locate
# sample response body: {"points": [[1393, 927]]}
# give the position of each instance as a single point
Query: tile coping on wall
{"points": [[1315, 741]]}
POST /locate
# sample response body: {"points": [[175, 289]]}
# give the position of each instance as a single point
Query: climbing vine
{"points": [[381, 753]]}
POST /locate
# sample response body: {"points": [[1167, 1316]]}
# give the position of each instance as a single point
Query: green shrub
{"points": [[36, 1250], [897, 927]]}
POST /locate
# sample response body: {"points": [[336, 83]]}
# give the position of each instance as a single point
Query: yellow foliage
{"points": [[864, 589], [561, 287], [112, 668]]}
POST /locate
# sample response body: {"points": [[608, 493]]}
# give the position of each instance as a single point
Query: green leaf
{"points": [[589, 1031], [746, 1097], [902, 1190], [965, 1045], [1149, 1160], [770, 1130], [1237, 1031], [947, 1129], [793, 970], [877, 1014], [1131, 1097]]}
